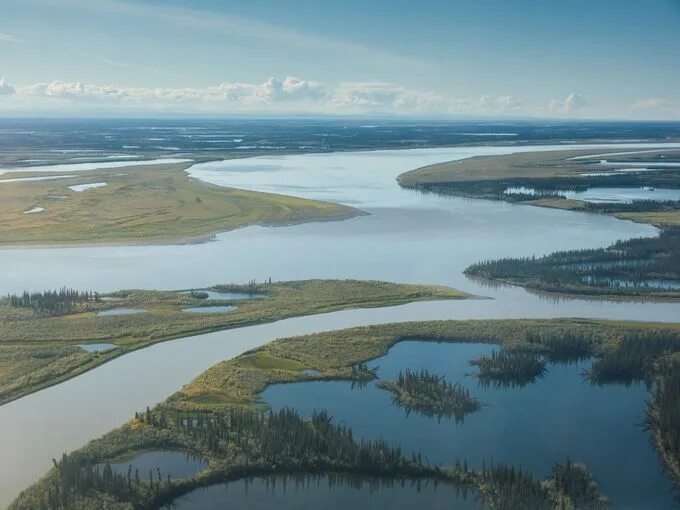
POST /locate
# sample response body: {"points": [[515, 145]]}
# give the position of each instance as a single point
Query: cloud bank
{"points": [[287, 95]]}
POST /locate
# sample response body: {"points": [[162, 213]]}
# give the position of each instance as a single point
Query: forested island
{"points": [[539, 178], [213, 417], [637, 268], [44, 336], [431, 395]]}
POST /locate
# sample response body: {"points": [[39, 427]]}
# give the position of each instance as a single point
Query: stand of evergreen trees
{"points": [[53, 301], [624, 268], [663, 416], [634, 358], [431, 395], [570, 486], [509, 368]]}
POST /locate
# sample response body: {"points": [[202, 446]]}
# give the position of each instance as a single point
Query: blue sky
{"points": [[575, 59]]}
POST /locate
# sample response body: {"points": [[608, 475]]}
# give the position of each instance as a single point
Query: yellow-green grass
{"points": [[38, 350], [540, 164], [503, 169], [140, 204], [332, 355], [237, 383]]}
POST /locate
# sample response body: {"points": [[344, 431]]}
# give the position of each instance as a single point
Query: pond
{"points": [[174, 463], [226, 296], [620, 282], [327, 492], [535, 426], [97, 347], [120, 311], [85, 187], [408, 237], [209, 309], [604, 195]]}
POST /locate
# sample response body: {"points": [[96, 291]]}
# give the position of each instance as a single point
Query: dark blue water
{"points": [[535, 426], [173, 463], [327, 493]]}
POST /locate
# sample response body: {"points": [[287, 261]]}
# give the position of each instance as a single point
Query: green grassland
{"points": [[218, 403], [337, 354], [39, 350], [141, 204], [489, 176]]}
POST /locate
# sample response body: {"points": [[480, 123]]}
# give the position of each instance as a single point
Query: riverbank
{"points": [[641, 269], [39, 350], [538, 177], [139, 204], [213, 416]]}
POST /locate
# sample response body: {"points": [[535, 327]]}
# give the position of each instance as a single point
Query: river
{"points": [[406, 237]]}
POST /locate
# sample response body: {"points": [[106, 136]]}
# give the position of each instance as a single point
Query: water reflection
{"points": [[329, 491], [534, 426]]}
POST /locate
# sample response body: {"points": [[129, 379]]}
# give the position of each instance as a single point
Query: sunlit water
{"points": [[559, 416], [407, 237], [328, 492]]}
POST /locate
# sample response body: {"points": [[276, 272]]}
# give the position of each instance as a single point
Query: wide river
{"points": [[407, 237]]}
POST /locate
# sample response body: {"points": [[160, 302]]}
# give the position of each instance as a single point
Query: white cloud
{"points": [[4, 37], [379, 96], [6, 89], [655, 107], [273, 95], [572, 104]]}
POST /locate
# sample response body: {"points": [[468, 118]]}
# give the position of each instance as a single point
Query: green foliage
{"points": [[634, 357], [509, 368], [625, 268], [53, 302], [431, 395]]}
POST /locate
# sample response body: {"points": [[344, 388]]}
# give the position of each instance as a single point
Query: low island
{"points": [[213, 417], [48, 337], [139, 204]]}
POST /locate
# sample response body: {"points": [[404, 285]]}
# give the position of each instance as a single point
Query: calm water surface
{"points": [[559, 416], [327, 492], [408, 237], [173, 463]]}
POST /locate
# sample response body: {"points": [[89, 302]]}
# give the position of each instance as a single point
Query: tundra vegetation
{"points": [[141, 204], [213, 417], [41, 333], [547, 173]]}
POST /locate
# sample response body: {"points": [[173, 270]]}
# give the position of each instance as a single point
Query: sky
{"points": [[599, 59]]}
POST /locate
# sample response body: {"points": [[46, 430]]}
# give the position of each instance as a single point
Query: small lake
{"points": [[120, 311], [620, 282], [328, 492], [209, 309], [174, 463], [408, 237], [604, 195], [227, 296], [85, 187], [535, 426], [97, 347]]}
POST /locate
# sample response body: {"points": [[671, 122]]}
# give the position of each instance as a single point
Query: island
{"points": [[213, 417], [139, 204], [644, 268], [48, 337]]}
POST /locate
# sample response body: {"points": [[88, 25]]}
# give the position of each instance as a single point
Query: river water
{"points": [[406, 237]]}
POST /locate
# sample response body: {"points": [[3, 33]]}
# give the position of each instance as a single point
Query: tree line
{"points": [[53, 301], [431, 394]]}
